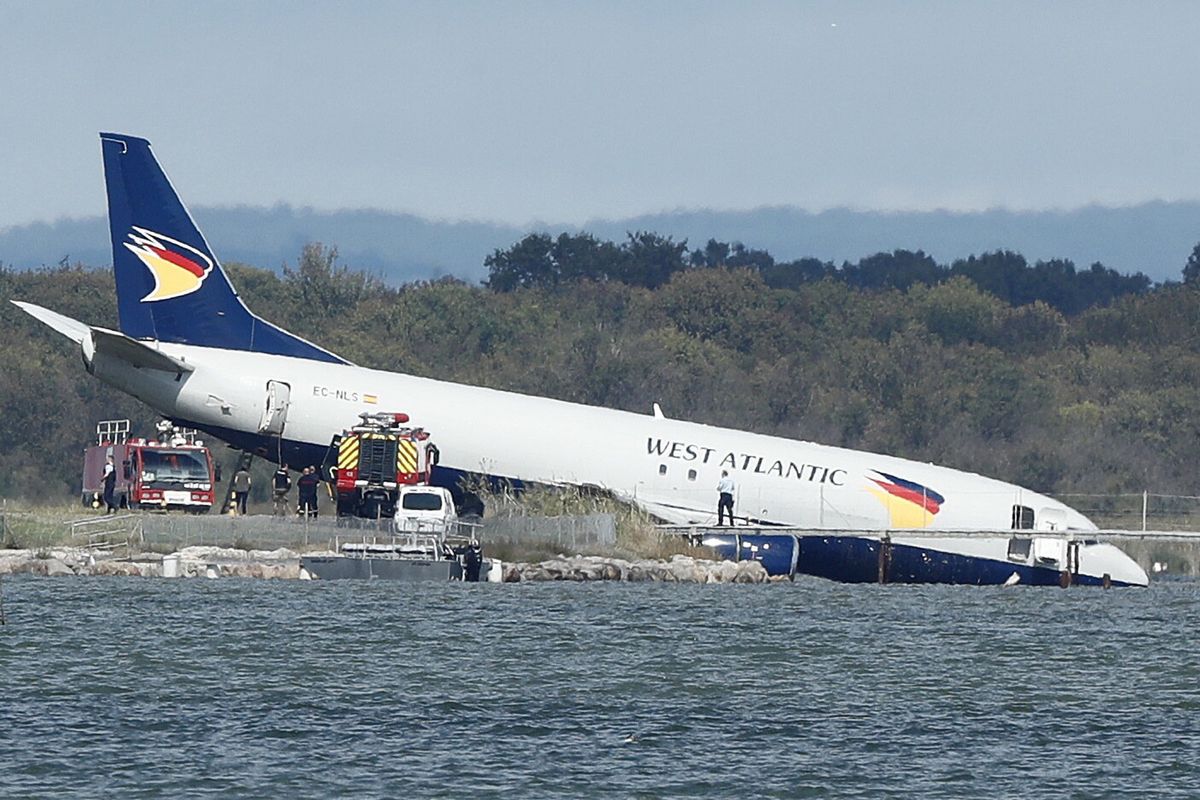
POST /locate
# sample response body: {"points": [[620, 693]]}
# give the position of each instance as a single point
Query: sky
{"points": [[568, 111]]}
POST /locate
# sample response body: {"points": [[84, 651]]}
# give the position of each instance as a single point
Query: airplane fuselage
{"points": [[671, 467]]}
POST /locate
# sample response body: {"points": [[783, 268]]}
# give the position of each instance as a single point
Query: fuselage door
{"points": [[276, 408]]}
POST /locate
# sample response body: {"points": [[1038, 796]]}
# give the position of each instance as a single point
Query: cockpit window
{"points": [[1022, 518]]}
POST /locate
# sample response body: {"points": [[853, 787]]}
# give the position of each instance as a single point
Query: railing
{"points": [[267, 532], [107, 534], [400, 545]]}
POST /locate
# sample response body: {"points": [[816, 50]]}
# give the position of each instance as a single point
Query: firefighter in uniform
{"points": [[307, 488], [281, 483]]}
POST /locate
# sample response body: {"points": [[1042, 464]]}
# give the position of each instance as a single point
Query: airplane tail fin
{"points": [[170, 286]]}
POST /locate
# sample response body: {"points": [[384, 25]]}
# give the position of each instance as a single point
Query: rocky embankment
{"points": [[680, 569], [221, 562], [193, 562]]}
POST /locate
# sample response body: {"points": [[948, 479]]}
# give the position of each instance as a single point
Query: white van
{"points": [[425, 509]]}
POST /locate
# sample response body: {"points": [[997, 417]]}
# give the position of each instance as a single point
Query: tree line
{"points": [[1088, 398], [650, 260]]}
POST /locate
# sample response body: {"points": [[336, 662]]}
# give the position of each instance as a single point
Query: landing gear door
{"points": [[276, 408]]}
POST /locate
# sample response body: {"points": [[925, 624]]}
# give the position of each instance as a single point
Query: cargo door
{"points": [[276, 408]]}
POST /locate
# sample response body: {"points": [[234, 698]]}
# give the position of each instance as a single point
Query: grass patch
{"points": [[41, 527], [637, 535]]}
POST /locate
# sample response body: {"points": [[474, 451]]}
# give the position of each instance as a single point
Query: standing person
{"points": [[110, 486], [306, 487], [241, 489], [281, 482], [725, 489]]}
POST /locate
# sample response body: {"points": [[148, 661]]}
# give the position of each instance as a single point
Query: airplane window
{"points": [[662, 469], [691, 474]]}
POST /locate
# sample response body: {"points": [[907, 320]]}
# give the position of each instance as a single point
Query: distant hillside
{"points": [[1153, 238]]}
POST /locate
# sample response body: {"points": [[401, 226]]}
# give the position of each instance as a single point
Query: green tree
{"points": [[1191, 270], [529, 262], [651, 259]]}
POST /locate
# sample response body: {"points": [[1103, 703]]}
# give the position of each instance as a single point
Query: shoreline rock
{"points": [[679, 569], [283, 564]]}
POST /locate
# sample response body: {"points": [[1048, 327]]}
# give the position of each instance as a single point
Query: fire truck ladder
{"points": [[244, 461], [377, 459], [112, 431]]}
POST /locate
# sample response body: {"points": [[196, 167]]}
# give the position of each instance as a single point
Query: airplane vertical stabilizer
{"points": [[170, 286]]}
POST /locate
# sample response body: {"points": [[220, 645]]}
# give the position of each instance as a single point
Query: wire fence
{"points": [[161, 531], [575, 531], [169, 531], [1142, 511]]}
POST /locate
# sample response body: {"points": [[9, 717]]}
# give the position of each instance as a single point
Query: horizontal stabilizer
{"points": [[110, 343], [73, 329]]}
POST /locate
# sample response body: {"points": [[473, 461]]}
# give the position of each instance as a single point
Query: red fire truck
{"points": [[173, 471], [374, 460]]}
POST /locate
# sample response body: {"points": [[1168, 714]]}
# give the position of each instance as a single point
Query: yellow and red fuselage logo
{"points": [[909, 504]]}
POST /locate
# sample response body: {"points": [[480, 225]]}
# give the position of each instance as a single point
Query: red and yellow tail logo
{"points": [[178, 269]]}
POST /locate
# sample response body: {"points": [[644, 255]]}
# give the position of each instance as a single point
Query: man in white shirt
{"points": [[725, 490], [110, 486]]}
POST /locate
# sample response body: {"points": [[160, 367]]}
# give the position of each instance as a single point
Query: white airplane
{"points": [[189, 348]]}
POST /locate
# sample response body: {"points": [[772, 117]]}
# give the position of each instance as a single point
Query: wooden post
{"points": [[885, 557]]}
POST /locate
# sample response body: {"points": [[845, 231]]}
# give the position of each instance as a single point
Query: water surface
{"points": [[144, 688]]}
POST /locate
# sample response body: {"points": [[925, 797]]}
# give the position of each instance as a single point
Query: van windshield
{"points": [[421, 501], [174, 466]]}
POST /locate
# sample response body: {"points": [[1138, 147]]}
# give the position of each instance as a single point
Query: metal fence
{"points": [[263, 532], [588, 530], [1141, 511]]}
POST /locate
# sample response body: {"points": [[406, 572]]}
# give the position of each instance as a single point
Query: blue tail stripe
{"points": [[170, 286]]}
